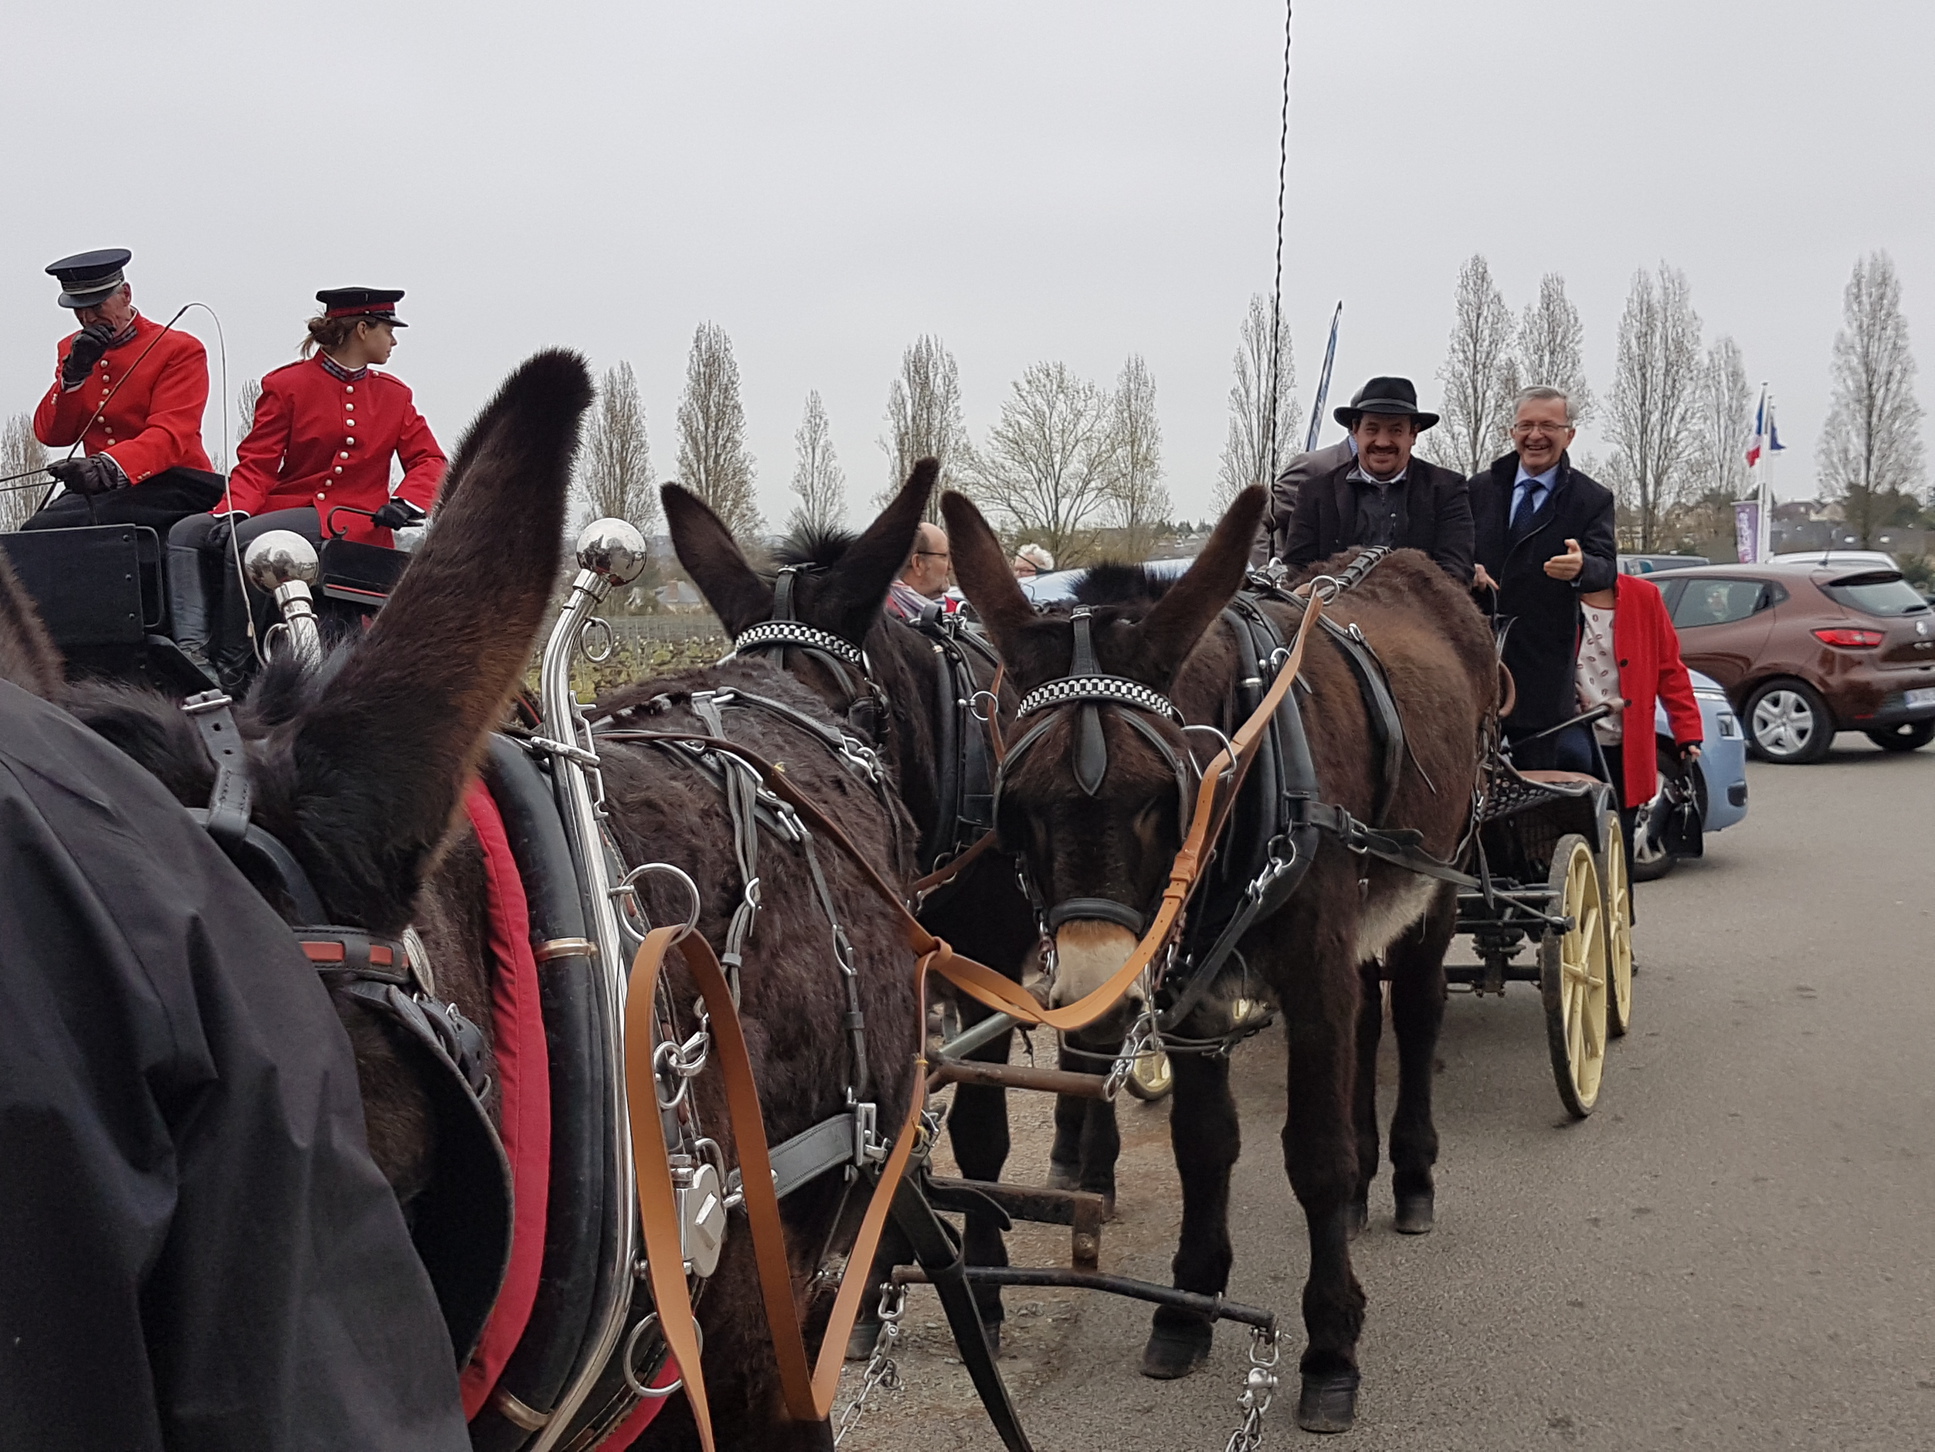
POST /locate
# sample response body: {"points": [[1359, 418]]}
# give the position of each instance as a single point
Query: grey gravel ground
{"points": [[1733, 1252]]}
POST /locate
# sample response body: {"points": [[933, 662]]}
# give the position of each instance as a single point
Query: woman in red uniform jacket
{"points": [[1648, 670], [324, 434]]}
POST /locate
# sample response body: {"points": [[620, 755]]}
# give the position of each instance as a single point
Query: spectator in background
{"points": [[1629, 653], [1031, 560], [923, 579]]}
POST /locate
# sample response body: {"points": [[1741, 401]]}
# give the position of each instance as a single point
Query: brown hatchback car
{"points": [[1806, 650]]}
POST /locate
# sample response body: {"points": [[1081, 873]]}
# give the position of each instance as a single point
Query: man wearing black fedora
{"points": [[1384, 496]]}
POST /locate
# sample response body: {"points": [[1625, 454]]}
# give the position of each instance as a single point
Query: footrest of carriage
{"points": [[1214, 1307], [1081, 1210]]}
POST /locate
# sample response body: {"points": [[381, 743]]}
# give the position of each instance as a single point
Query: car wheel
{"points": [[1909, 736], [1788, 722], [1651, 860]]}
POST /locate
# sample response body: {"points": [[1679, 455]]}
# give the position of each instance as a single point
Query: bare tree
{"points": [[1141, 505], [1870, 453], [1052, 465], [1477, 376], [818, 479], [924, 421], [1725, 422], [21, 453], [1253, 453], [1654, 422], [246, 398], [713, 460], [1550, 349], [615, 475]]}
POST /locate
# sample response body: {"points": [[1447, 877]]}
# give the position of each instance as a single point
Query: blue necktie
{"points": [[1528, 505]]}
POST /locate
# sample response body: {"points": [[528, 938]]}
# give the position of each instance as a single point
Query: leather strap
{"points": [[228, 803], [808, 1393]]}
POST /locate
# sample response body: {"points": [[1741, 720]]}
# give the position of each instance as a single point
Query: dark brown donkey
{"points": [[359, 769], [839, 583], [1114, 841]]}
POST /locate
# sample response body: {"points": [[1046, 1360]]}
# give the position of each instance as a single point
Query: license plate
{"points": [[1924, 697]]}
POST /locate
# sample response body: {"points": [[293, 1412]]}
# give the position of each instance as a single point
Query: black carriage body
{"points": [[1523, 823]]}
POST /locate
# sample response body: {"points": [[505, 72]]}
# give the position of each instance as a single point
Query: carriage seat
{"points": [[1562, 778]]}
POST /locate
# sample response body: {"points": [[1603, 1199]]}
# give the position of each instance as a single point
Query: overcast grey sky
{"points": [[1028, 179]]}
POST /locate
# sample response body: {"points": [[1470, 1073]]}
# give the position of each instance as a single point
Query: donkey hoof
{"points": [[1063, 1176], [1175, 1351], [861, 1339], [1414, 1214], [1328, 1403], [1356, 1215]]}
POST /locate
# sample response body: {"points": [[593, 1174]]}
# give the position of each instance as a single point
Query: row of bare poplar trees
{"points": [[1679, 417]]}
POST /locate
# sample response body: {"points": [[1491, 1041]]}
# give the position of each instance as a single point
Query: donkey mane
{"points": [[820, 546], [1116, 583]]}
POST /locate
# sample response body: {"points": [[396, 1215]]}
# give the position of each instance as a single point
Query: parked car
{"points": [[1805, 650], [1877, 558], [1716, 784], [1653, 564]]}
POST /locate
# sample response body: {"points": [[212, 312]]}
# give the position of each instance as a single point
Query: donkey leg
{"points": [[1320, 1154], [1370, 1028], [1087, 1138], [1417, 1014], [978, 1132], [1205, 1137]]}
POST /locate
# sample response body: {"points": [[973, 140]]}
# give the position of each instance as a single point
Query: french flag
{"points": [[1765, 431]]}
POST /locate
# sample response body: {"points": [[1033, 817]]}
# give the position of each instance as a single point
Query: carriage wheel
{"points": [[1616, 886], [1572, 976]]}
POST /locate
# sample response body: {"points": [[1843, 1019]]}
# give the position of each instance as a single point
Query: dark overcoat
{"points": [[1437, 506], [198, 1250], [1542, 649]]}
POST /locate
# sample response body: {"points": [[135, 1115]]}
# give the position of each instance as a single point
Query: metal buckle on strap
{"points": [[228, 802]]}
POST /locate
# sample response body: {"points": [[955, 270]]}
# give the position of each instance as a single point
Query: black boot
{"points": [[188, 606]]}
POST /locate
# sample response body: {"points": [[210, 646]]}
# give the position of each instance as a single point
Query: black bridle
{"points": [[1086, 689], [866, 707]]}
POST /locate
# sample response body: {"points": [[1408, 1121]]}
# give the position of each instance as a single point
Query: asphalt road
{"points": [[1735, 1251]]}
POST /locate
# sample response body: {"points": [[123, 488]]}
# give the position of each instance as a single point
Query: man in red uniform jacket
{"points": [[131, 393]]}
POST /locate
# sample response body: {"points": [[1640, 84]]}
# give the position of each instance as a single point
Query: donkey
{"points": [[1113, 840], [359, 767], [839, 585]]}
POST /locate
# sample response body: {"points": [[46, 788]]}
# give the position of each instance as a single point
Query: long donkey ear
{"points": [[857, 587], [28, 656], [1170, 631], [383, 759], [981, 565], [715, 562]]}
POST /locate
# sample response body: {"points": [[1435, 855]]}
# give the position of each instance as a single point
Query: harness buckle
{"points": [[868, 1147]]}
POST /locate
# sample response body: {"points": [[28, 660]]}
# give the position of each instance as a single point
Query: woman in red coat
{"points": [[1628, 650], [325, 431]]}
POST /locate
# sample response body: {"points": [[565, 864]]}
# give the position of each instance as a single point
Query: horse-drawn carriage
{"points": [[102, 592], [1550, 874]]}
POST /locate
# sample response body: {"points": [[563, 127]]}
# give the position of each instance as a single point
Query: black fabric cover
{"points": [[198, 1250]]}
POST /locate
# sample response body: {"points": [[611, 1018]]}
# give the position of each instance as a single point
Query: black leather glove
{"points": [[223, 530], [85, 352], [398, 514], [95, 474]]}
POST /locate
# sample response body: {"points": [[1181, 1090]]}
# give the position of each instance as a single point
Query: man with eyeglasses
{"points": [[1384, 495], [1544, 536], [923, 579]]}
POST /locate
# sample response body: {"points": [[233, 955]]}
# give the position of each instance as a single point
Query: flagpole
{"points": [[1763, 545]]}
